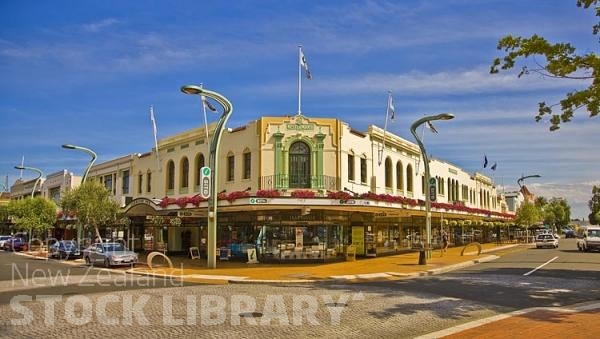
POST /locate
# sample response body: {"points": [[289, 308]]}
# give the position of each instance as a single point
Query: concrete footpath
{"points": [[379, 268]]}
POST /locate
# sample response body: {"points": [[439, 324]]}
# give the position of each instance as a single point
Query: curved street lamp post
{"points": [[413, 127], [213, 164], [83, 179], [520, 180], [88, 151], [37, 180]]}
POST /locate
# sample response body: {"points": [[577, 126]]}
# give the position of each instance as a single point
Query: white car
{"points": [[3, 239], [590, 239], [111, 254], [546, 240]]}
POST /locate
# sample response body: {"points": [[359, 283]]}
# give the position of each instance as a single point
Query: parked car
{"points": [[15, 244], [590, 239], [546, 240], [569, 233], [64, 249], [3, 238], [111, 254]]}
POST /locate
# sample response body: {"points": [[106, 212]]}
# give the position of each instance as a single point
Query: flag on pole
{"points": [[304, 65], [485, 161], [154, 130], [430, 126], [493, 167], [207, 104], [391, 110]]}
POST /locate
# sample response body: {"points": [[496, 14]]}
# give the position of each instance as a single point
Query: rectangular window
{"points": [[125, 187], [108, 182], [148, 182], [247, 165], [350, 167], [140, 183], [230, 168], [363, 170]]}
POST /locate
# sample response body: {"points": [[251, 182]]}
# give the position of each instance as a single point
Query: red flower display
{"points": [[303, 194], [268, 194]]}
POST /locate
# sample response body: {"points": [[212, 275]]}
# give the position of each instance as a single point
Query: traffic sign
{"points": [[205, 182]]}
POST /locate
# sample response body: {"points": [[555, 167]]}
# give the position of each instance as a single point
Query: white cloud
{"points": [[98, 26]]}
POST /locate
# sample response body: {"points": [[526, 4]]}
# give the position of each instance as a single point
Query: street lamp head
{"points": [[68, 146], [192, 89], [19, 167], [445, 116]]}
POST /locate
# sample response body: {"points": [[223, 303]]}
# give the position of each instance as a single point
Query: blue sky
{"points": [[86, 72]]}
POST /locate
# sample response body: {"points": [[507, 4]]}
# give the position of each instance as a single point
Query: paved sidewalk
{"points": [[384, 267], [577, 321]]}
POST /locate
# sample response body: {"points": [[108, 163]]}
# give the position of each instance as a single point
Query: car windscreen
{"points": [[113, 248]]}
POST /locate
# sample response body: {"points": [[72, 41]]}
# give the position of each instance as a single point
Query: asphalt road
{"points": [[150, 308]]}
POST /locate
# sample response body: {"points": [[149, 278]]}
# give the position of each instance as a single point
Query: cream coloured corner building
{"points": [[297, 188]]}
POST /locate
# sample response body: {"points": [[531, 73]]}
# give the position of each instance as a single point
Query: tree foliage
{"points": [[559, 60], [594, 205], [557, 212], [33, 214], [528, 214], [92, 204]]}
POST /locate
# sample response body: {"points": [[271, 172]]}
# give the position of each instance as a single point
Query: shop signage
{"points": [[254, 201], [205, 183], [182, 214], [300, 127], [432, 189]]}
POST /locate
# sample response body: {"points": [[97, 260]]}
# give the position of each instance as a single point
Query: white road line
{"points": [[542, 265]]}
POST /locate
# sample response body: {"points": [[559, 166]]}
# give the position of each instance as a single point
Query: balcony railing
{"points": [[284, 181]]}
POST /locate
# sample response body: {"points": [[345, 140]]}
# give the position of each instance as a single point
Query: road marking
{"points": [[542, 265]]}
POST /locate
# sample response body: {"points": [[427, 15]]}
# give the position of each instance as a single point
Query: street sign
{"points": [[205, 182], [432, 189]]}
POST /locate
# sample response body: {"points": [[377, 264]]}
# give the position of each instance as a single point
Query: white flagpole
{"points": [[299, 79], [22, 164], [387, 115], [154, 130]]}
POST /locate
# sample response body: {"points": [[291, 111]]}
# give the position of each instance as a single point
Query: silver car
{"points": [[111, 254]]}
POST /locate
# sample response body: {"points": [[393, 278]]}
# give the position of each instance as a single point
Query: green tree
{"points": [[528, 214], [559, 60], [594, 205], [557, 212], [92, 205], [34, 215]]}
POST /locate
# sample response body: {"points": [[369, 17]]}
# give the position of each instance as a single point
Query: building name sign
{"points": [[142, 201], [300, 127]]}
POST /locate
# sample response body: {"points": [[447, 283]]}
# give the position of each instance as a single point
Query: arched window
{"points": [[409, 178], [399, 177], [185, 172], [388, 173], [199, 164], [299, 165], [170, 175]]}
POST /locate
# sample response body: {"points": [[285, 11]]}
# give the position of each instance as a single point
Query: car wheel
{"points": [[106, 263], [87, 260]]}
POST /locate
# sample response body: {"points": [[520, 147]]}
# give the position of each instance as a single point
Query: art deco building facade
{"points": [[296, 188]]}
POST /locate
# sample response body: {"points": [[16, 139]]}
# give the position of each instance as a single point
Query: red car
{"points": [[15, 244]]}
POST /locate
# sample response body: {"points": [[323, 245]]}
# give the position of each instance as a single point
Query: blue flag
{"points": [[485, 162]]}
